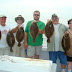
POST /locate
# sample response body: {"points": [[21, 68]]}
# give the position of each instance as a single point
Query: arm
{"points": [[25, 36], [66, 28], [25, 40], [41, 29], [16, 28]]}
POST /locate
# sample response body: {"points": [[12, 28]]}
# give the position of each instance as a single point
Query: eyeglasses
{"points": [[19, 18], [70, 23], [36, 15], [54, 18]]}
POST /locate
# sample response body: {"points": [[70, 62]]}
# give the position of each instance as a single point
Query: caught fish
{"points": [[0, 35], [66, 43], [49, 30], [10, 40], [34, 30], [20, 35]]}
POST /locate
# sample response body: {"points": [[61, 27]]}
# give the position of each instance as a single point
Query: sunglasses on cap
{"points": [[36, 15], [54, 18], [19, 18]]}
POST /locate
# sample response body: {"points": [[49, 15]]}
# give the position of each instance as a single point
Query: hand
{"points": [[34, 20], [25, 45], [48, 20], [19, 25]]}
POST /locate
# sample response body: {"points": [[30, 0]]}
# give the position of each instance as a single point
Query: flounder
{"points": [[20, 35], [66, 43], [49, 30], [34, 30], [10, 40]]}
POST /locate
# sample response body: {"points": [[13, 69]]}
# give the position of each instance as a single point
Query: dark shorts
{"points": [[69, 58], [53, 56]]}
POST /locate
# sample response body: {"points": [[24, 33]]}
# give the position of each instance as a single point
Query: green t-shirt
{"points": [[39, 39]]}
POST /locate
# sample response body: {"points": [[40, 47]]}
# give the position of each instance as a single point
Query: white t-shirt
{"points": [[4, 31], [15, 25], [56, 27]]}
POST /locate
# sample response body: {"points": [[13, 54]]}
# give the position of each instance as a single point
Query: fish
{"points": [[34, 31], [10, 39], [20, 35], [66, 43], [0, 35], [49, 30]]}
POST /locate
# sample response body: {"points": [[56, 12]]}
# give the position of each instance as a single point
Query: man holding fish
{"points": [[4, 49], [33, 40]]}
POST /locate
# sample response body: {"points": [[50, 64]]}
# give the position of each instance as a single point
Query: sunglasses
{"points": [[36, 15], [19, 18], [54, 18]]}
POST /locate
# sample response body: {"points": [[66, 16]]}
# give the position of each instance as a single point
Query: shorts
{"points": [[69, 59], [19, 51], [53, 56], [4, 51], [33, 50]]}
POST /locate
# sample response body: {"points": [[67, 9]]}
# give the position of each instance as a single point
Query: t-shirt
{"points": [[4, 31], [39, 39], [15, 25], [56, 28]]}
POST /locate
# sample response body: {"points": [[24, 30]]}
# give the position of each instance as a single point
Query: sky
{"points": [[13, 8]]}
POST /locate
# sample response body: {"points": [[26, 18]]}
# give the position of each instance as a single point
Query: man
{"points": [[54, 47], [18, 51], [33, 49], [4, 49]]}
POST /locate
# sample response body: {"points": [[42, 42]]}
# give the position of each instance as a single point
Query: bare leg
{"points": [[30, 57], [69, 66], [36, 56], [63, 67]]}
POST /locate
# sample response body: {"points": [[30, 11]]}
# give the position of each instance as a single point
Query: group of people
{"points": [[33, 49]]}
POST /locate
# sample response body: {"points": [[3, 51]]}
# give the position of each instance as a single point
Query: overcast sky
{"points": [[13, 8]]}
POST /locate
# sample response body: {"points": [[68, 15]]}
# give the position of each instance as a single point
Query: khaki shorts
{"points": [[19, 51], [32, 50], [4, 51]]}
